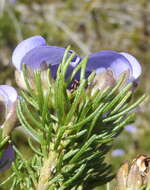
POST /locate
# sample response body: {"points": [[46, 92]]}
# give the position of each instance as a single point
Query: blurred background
{"points": [[88, 26]]}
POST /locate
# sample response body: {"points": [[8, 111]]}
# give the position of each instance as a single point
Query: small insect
{"points": [[74, 85]]}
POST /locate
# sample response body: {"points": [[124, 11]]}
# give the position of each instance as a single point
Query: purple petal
{"points": [[12, 2], [49, 55], [136, 67], [7, 158], [131, 129], [103, 60], [24, 47], [117, 152], [9, 94], [75, 61]]}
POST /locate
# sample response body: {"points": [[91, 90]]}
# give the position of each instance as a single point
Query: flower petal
{"points": [[102, 60], [49, 55], [136, 67], [9, 94], [131, 128], [117, 152], [24, 47], [7, 158]]}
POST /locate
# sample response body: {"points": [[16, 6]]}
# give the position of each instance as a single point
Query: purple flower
{"points": [[24, 47], [8, 94], [8, 99], [7, 158], [35, 53], [116, 62], [131, 129], [8, 104], [117, 152]]}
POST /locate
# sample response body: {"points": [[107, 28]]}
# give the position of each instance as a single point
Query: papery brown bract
{"points": [[135, 175]]}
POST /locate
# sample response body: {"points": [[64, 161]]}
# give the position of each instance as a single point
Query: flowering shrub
{"points": [[71, 109]]}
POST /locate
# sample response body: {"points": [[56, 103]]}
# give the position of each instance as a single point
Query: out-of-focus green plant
{"points": [[6, 30]]}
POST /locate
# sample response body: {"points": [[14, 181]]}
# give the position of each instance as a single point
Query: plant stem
{"points": [[49, 165]]}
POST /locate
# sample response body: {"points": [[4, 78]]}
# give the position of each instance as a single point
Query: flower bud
{"points": [[8, 105], [135, 175]]}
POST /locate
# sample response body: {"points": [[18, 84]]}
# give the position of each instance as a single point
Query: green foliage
{"points": [[145, 188], [69, 131], [6, 30]]}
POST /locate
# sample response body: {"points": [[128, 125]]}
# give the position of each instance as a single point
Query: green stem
{"points": [[49, 165]]}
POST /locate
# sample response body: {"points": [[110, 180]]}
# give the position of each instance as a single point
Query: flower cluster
{"points": [[37, 55]]}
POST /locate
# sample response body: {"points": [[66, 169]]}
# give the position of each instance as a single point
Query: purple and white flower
{"points": [[36, 54], [8, 102], [9, 95], [8, 99], [115, 63]]}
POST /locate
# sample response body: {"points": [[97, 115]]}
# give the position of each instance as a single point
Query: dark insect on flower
{"points": [[74, 85]]}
